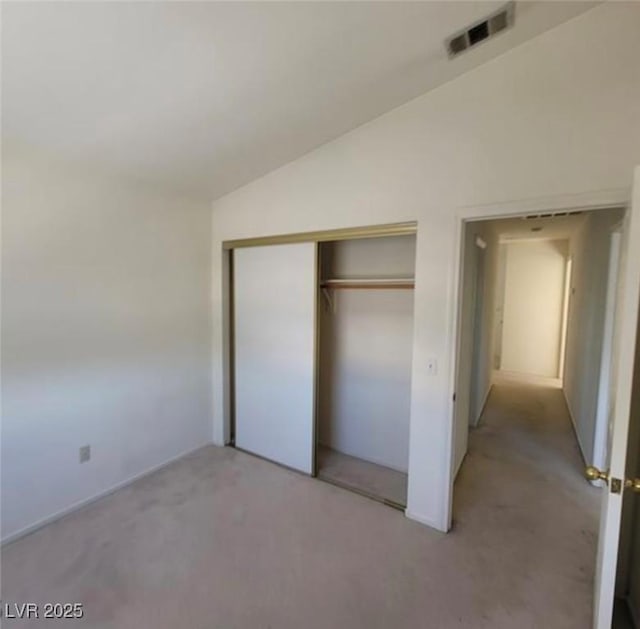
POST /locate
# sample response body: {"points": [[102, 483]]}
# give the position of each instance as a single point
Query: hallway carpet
{"points": [[223, 540]]}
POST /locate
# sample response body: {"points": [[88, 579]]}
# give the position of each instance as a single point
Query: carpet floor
{"points": [[224, 540], [370, 479]]}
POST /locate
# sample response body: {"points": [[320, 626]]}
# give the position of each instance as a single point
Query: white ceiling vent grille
{"points": [[481, 31]]}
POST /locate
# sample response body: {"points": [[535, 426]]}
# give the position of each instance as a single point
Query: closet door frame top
{"points": [[348, 233]]}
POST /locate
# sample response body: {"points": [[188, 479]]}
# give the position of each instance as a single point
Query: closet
{"points": [[365, 349], [321, 336]]}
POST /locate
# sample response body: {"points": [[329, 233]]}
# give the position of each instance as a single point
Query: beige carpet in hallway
{"points": [[223, 540]]}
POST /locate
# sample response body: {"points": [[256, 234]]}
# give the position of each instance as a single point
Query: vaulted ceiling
{"points": [[203, 97]]}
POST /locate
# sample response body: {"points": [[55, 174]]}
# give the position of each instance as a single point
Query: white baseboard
{"points": [[575, 430], [76, 506], [457, 470], [484, 404], [516, 376], [427, 521]]}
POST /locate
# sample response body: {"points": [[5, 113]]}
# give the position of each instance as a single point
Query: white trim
{"points": [[601, 427], [454, 297], [476, 421], [575, 429], [530, 378], [566, 302], [457, 471], [423, 519], [76, 506], [594, 200]]}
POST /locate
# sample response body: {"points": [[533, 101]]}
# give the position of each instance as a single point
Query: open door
{"points": [[625, 327], [275, 289]]}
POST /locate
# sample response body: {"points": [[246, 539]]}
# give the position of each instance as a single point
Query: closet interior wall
{"points": [[365, 349]]}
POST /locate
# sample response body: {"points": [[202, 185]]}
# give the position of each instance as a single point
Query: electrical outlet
{"points": [[85, 453]]}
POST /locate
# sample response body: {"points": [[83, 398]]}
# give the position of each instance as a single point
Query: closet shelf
{"points": [[370, 283]]}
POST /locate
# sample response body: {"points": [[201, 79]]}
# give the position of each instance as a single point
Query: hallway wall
{"points": [[533, 306], [486, 328], [476, 337], [589, 251], [498, 305]]}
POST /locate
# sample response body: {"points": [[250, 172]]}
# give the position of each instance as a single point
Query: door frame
{"points": [[604, 393], [566, 308], [476, 327], [585, 202]]}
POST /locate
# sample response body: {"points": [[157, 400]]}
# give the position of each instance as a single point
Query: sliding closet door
{"points": [[275, 330]]}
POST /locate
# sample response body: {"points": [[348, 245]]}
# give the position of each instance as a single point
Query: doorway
{"points": [[548, 296], [545, 280]]}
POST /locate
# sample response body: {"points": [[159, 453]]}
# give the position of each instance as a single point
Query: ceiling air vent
{"points": [[478, 32], [530, 217]]}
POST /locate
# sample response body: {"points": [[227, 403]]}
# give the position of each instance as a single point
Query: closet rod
{"points": [[369, 284]]}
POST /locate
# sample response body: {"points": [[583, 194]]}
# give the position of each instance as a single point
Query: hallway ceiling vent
{"points": [[481, 31], [530, 217]]}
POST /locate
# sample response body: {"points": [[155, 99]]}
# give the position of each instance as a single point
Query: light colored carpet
{"points": [[373, 480], [223, 540]]}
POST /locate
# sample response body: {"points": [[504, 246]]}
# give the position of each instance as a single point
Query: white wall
{"points": [[498, 305], [486, 328], [105, 334], [475, 335], [589, 251], [465, 373], [366, 342], [533, 306], [555, 116]]}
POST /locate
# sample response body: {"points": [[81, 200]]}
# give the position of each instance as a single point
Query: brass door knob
{"points": [[593, 473], [633, 484]]}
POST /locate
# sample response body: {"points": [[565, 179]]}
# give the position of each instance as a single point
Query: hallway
{"points": [[521, 488], [221, 538]]}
